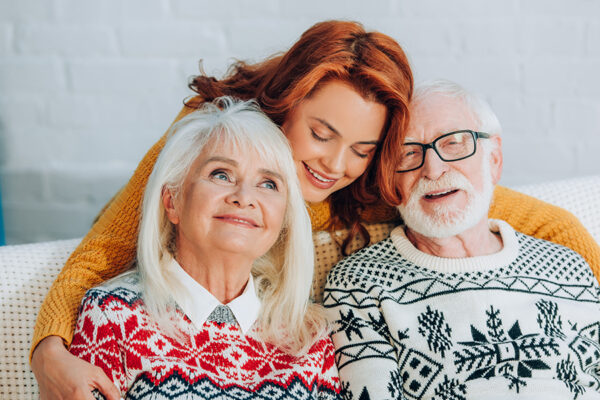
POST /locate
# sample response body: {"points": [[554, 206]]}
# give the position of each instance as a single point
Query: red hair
{"points": [[370, 62]]}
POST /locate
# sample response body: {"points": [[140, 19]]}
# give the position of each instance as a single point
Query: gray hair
{"points": [[283, 276], [481, 110]]}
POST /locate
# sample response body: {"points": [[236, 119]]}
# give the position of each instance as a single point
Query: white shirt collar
{"points": [[198, 303]]}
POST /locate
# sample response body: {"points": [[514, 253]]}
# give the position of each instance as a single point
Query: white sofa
{"points": [[27, 271]]}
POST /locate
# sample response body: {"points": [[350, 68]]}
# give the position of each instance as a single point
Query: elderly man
{"points": [[454, 305]]}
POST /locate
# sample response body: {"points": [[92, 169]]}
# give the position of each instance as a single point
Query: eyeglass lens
{"points": [[450, 147]]}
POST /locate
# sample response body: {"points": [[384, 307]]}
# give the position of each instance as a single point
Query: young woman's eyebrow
{"points": [[332, 129]]}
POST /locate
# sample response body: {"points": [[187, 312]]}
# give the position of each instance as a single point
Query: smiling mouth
{"points": [[319, 177], [440, 195], [237, 221]]}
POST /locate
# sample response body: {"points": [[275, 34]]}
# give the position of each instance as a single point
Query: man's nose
{"points": [[433, 166]]}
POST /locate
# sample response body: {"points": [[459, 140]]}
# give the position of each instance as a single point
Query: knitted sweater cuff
{"points": [[61, 329]]}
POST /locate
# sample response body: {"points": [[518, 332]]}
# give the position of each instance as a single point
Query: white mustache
{"points": [[449, 181]]}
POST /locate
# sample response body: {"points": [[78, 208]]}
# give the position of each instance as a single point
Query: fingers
{"points": [[105, 385], [61, 375], [82, 394]]}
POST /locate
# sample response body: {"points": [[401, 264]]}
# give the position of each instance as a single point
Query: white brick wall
{"points": [[87, 86]]}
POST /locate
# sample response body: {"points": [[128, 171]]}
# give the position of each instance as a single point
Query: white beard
{"points": [[447, 221]]}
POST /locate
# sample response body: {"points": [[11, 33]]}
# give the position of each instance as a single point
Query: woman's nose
{"points": [[241, 196], [336, 162]]}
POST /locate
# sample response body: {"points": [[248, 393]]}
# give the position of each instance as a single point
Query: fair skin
{"points": [[333, 133], [430, 118], [229, 212]]}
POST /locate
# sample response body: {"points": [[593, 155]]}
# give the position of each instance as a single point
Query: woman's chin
{"points": [[312, 194], [243, 246]]}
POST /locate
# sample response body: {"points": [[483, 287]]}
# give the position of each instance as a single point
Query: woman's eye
{"points": [[363, 151], [220, 175], [359, 154], [269, 184], [317, 137]]}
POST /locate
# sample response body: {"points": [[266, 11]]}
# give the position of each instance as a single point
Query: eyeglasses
{"points": [[451, 146]]}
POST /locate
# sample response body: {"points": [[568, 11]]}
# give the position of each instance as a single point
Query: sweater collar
{"points": [[198, 303], [508, 254]]}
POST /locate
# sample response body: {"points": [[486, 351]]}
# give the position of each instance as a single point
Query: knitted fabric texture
{"points": [[215, 361], [523, 323], [109, 248]]}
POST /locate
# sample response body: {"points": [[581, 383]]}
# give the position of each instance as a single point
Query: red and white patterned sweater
{"points": [[218, 361]]}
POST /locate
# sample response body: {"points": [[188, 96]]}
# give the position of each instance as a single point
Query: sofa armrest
{"points": [[26, 273]]}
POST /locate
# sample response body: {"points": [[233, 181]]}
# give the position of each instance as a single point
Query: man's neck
{"points": [[476, 241]]}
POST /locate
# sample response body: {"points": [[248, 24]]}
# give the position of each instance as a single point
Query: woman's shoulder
{"points": [[122, 288]]}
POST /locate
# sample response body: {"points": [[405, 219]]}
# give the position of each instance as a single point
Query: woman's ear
{"points": [[168, 201]]}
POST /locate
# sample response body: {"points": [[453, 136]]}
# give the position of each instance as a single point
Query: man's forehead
{"points": [[436, 115]]}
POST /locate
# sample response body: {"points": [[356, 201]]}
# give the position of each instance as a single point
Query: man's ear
{"points": [[168, 201], [496, 159]]}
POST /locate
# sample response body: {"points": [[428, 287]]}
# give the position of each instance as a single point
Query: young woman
{"points": [[340, 95]]}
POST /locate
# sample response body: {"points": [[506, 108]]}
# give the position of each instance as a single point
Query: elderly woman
{"points": [[218, 304]]}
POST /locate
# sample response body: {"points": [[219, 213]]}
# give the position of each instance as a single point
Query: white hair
{"points": [[448, 221], [482, 112], [283, 276]]}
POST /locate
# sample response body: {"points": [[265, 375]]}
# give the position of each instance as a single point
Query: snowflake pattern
{"points": [[450, 389], [349, 324], [217, 361], [513, 355], [566, 372], [549, 319], [433, 327], [442, 354]]}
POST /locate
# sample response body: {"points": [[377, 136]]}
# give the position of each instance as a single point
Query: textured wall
{"points": [[87, 86]]}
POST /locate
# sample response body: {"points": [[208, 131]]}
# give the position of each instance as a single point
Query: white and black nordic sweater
{"points": [[523, 323]]}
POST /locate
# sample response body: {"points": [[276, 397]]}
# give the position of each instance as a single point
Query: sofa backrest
{"points": [[27, 271]]}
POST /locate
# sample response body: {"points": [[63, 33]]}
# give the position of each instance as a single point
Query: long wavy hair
{"points": [[283, 276], [372, 63]]}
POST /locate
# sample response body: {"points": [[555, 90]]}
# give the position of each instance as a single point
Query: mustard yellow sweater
{"points": [[109, 248]]}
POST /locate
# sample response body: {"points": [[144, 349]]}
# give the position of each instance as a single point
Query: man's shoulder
{"points": [[365, 263], [530, 244], [552, 261]]}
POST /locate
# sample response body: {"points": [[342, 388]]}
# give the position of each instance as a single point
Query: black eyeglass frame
{"points": [[476, 135]]}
